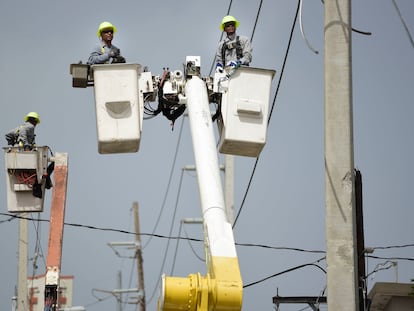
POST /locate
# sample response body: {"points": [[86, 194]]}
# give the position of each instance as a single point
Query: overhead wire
{"points": [[192, 248], [221, 38], [314, 263], [403, 22], [271, 111], [133, 264], [366, 33], [37, 252], [168, 240], [168, 184], [15, 216], [302, 30], [176, 249], [257, 19]]}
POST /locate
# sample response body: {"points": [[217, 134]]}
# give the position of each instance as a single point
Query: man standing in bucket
{"points": [[106, 52], [234, 50]]}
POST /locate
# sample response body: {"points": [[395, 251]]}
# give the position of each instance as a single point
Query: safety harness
{"points": [[13, 136], [239, 49]]}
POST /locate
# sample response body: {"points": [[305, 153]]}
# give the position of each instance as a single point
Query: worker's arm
{"points": [[99, 57]]}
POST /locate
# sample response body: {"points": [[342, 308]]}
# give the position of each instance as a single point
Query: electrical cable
{"points": [[255, 22], [271, 110], [168, 185], [35, 255], [176, 249], [169, 240], [192, 248], [221, 38], [403, 22], [392, 258], [302, 31], [286, 271], [199, 240], [367, 33], [133, 265], [381, 266], [393, 246]]}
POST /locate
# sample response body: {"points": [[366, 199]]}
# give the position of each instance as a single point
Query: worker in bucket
{"points": [[24, 135], [106, 52], [234, 50]]}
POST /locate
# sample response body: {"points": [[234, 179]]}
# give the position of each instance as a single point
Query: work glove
{"points": [[118, 59], [219, 68], [234, 64], [20, 144], [114, 52]]}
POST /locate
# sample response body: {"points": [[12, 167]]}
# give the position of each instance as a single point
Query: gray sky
{"points": [[285, 204]]}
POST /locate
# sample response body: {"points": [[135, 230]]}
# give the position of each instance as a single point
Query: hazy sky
{"points": [[285, 205]]}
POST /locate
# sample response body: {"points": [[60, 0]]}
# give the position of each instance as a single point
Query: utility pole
{"points": [[119, 285], [140, 268], [22, 301], [138, 255], [341, 248], [228, 169]]}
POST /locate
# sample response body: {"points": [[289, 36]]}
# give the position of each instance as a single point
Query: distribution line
{"points": [[271, 111], [168, 185], [168, 241], [199, 240]]}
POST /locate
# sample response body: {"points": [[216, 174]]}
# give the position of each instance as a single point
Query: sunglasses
{"points": [[107, 30]]}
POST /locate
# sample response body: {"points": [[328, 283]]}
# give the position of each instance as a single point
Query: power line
{"points": [[257, 18], [13, 217], [403, 22], [169, 183], [271, 110], [286, 271], [169, 239]]}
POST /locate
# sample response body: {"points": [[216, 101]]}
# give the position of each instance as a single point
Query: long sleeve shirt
{"points": [[230, 50], [100, 54], [25, 134]]}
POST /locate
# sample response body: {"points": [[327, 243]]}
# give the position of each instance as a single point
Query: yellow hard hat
{"points": [[227, 19], [33, 115], [105, 25]]}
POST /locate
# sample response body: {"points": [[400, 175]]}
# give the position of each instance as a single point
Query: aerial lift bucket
{"points": [[25, 177], [244, 110], [119, 107]]}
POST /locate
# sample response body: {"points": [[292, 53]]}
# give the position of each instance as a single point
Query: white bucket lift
{"points": [[24, 169], [119, 107], [244, 110]]}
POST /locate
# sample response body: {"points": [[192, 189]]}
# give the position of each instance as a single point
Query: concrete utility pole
{"points": [[22, 301], [341, 244], [140, 267]]}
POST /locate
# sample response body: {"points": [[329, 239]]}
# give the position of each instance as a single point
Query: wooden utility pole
{"points": [[341, 244], [140, 267]]}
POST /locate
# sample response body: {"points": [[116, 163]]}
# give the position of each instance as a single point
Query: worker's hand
{"points": [[118, 59], [114, 52], [219, 68], [234, 64]]}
